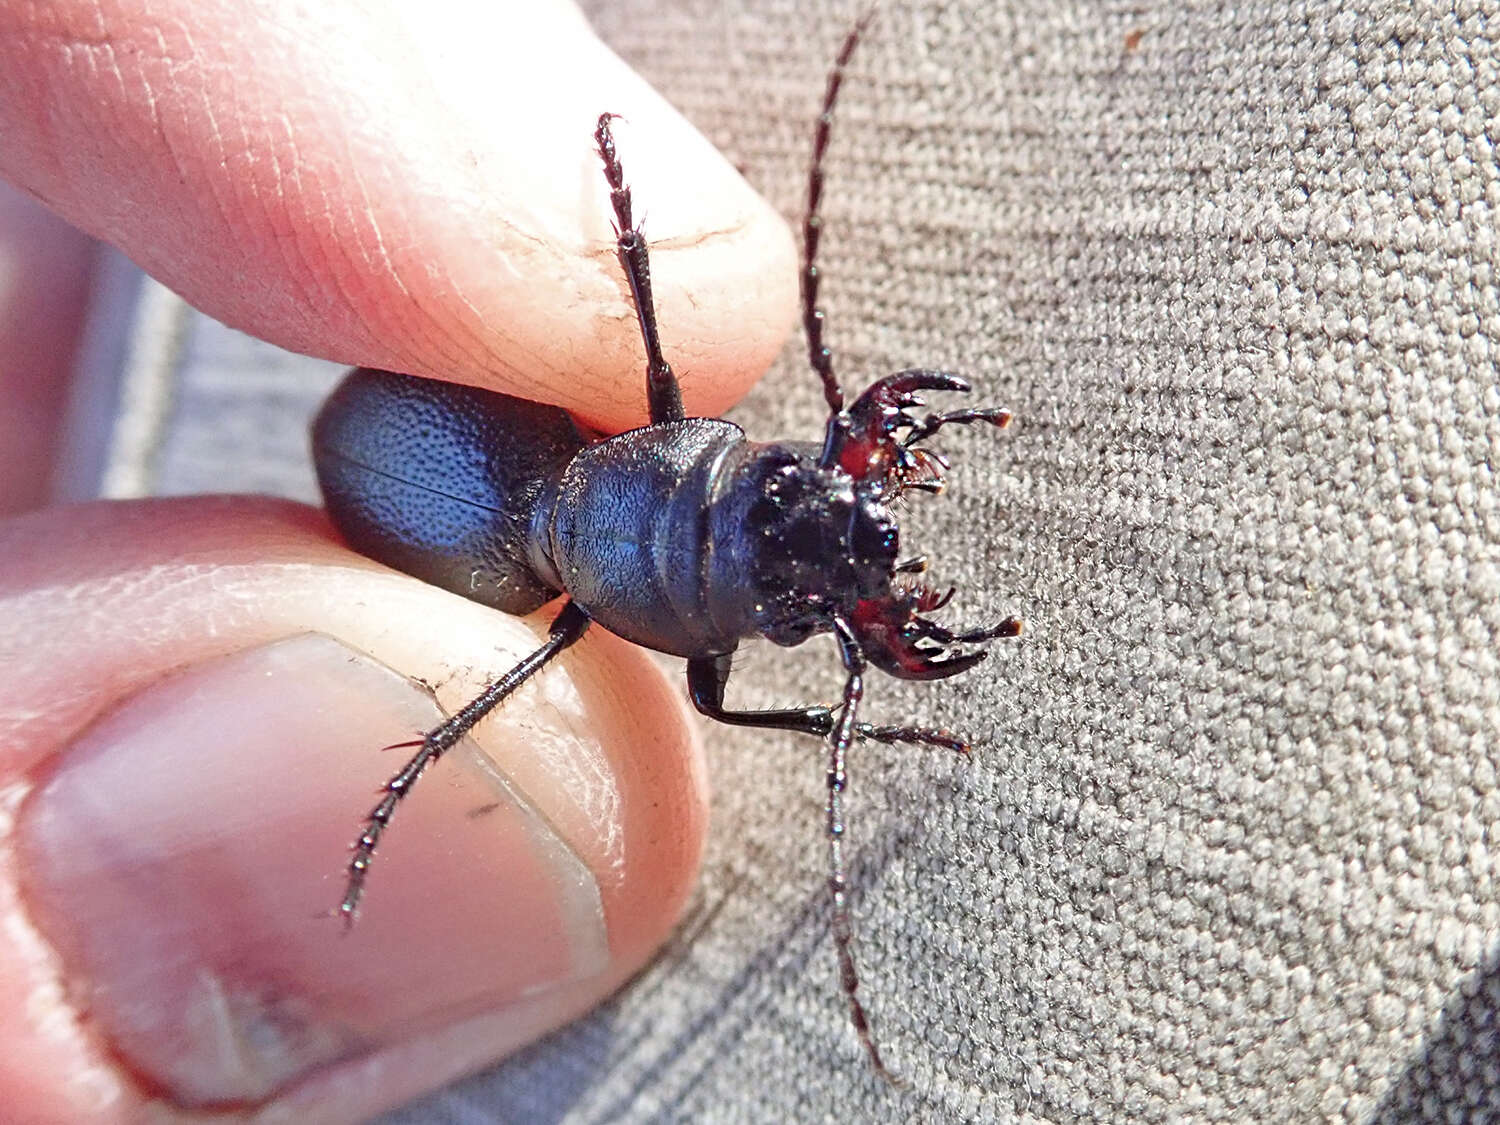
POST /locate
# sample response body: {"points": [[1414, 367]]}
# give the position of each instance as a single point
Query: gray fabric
{"points": [[1226, 850]]}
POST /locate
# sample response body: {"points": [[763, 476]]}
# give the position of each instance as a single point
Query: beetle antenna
{"points": [[839, 741], [663, 395], [818, 353]]}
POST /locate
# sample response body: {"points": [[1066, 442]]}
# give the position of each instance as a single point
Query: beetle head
{"points": [[825, 542], [873, 445]]}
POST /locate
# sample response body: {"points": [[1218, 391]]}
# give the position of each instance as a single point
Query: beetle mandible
{"points": [[682, 536]]}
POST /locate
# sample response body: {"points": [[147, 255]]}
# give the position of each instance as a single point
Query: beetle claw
{"points": [[899, 640], [863, 440], [923, 662]]}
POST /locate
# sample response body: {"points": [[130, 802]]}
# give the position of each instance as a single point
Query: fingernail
{"points": [[184, 856]]}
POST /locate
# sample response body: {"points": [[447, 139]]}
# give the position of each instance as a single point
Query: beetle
{"points": [[682, 536]]}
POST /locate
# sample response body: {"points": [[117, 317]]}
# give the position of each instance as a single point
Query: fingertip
{"points": [[547, 311]]}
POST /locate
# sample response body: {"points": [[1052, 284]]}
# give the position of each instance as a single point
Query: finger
{"points": [[195, 698], [44, 274], [402, 185]]}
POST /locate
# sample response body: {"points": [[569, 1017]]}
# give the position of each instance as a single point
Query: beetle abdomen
{"points": [[440, 480]]}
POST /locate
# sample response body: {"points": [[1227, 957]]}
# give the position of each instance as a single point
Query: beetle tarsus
{"points": [[915, 736], [566, 628]]}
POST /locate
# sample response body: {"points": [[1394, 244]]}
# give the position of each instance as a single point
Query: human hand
{"points": [[184, 765]]}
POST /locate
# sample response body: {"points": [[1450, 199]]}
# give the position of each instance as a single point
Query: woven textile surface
{"points": [[1226, 850]]}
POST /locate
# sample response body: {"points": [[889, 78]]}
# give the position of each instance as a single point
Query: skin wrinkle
{"points": [[289, 244], [483, 357], [152, 105], [454, 343], [221, 154], [101, 55], [524, 365], [302, 266], [437, 337], [451, 327], [384, 324], [145, 585], [433, 342], [328, 248], [375, 327], [176, 63], [602, 798], [251, 181], [41, 603], [598, 791]]}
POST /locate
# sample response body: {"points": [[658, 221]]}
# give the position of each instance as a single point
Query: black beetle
{"points": [[681, 535]]}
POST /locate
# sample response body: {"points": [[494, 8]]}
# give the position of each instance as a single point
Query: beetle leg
{"points": [[925, 736], [838, 886], [567, 627], [708, 676], [662, 392]]}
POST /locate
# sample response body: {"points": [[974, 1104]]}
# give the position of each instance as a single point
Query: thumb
{"points": [[196, 696]]}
